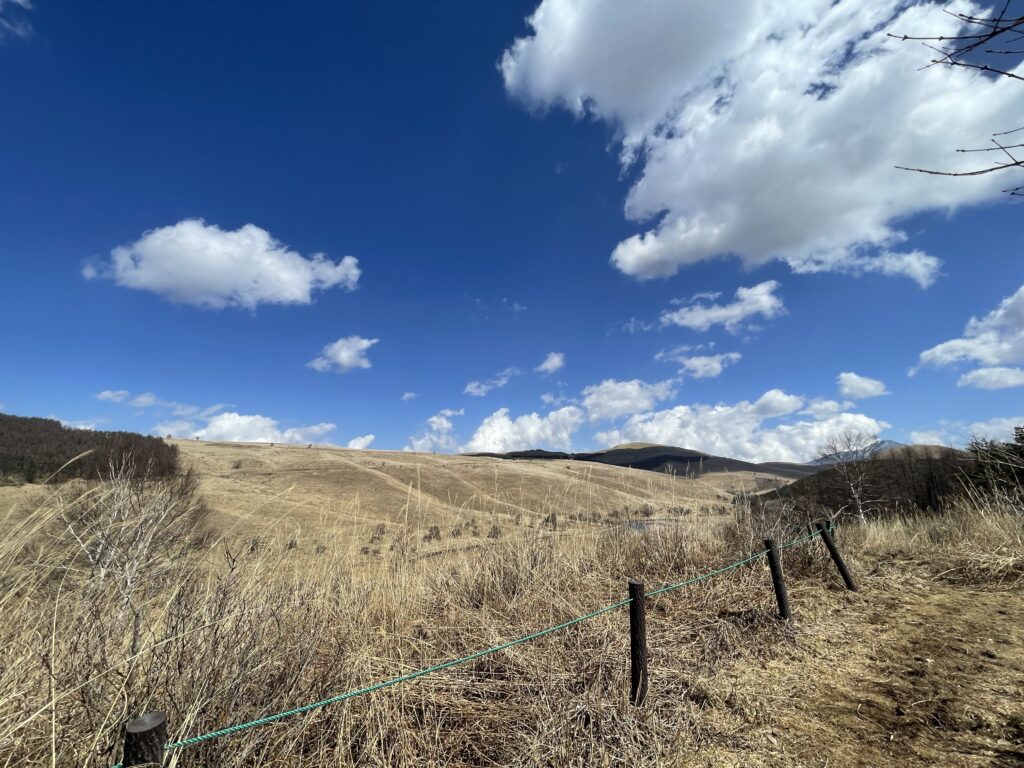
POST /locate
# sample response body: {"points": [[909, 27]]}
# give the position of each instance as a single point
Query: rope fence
{"points": [[145, 737]]}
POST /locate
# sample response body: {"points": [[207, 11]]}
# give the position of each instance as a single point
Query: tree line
{"points": [[34, 449], [909, 479]]}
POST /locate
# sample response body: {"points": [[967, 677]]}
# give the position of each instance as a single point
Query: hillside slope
{"points": [[666, 459], [345, 493]]}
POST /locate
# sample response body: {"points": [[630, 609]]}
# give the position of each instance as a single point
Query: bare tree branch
{"points": [[954, 50]]}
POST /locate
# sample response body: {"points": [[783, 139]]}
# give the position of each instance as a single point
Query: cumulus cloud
{"points": [[997, 377], [253, 428], [958, 433], [819, 407], [996, 341], [611, 399], [196, 263], [481, 388], [996, 429], [180, 428], [439, 436], [770, 132], [499, 433], [345, 354], [929, 437], [87, 425], [857, 387], [555, 361], [113, 395], [362, 442], [699, 366], [407, 396], [763, 430], [757, 301]]}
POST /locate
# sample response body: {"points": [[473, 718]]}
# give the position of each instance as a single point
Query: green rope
{"points": [[455, 662], [394, 680], [705, 576]]}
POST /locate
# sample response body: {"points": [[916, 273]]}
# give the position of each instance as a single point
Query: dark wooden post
{"points": [[837, 558], [144, 740], [775, 565], [637, 644]]}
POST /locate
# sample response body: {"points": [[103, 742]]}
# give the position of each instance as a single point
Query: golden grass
{"points": [[340, 497], [215, 634]]}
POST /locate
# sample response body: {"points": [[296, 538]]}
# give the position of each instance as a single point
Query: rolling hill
{"points": [[667, 459]]}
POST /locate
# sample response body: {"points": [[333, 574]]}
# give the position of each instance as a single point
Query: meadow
{"points": [[131, 595]]}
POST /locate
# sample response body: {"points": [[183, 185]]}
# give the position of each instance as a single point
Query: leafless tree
{"points": [[985, 39], [847, 453]]}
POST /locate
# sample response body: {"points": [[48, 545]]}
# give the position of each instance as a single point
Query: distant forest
{"points": [[31, 450]]}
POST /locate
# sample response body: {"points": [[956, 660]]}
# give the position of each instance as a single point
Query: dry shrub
{"points": [[977, 539]]}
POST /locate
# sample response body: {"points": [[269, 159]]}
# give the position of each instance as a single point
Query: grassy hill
{"points": [[347, 495]]}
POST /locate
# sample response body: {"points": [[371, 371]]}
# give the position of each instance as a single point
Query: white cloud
{"points": [[240, 428], [180, 428], [929, 437], [113, 395], [699, 366], [996, 341], [407, 396], [147, 400], [196, 263], [772, 131], [959, 433], [997, 377], [758, 300], [858, 387], [611, 399], [439, 436], [633, 325], [820, 407], [498, 433], [553, 400], [362, 442], [87, 425], [481, 388], [555, 361], [997, 429], [345, 354], [741, 430], [14, 24]]}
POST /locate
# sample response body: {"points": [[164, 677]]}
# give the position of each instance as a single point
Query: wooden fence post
{"points": [[837, 558], [144, 740], [775, 565], [637, 644]]}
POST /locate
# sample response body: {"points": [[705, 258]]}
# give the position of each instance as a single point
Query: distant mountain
{"points": [[877, 447], [666, 458]]}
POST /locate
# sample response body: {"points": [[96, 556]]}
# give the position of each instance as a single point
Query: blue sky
{"points": [[274, 221]]}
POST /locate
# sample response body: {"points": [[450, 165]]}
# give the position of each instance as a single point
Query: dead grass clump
{"points": [[977, 539]]}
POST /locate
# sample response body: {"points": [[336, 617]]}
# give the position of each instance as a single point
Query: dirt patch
{"points": [[907, 672]]}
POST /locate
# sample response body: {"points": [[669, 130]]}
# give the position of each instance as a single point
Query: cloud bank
{"points": [[771, 131]]}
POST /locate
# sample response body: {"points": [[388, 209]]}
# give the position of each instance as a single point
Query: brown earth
{"points": [[910, 671]]}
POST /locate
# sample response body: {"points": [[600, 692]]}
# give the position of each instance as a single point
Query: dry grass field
{"points": [[125, 596], [341, 497]]}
